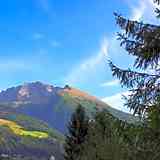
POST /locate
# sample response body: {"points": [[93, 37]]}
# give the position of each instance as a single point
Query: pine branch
{"points": [[157, 1], [144, 88], [130, 78], [157, 11], [142, 98], [132, 27], [141, 40]]}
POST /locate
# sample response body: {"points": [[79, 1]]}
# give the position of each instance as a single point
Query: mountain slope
{"points": [[23, 136], [54, 105]]}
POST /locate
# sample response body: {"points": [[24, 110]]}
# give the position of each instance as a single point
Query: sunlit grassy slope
{"points": [[19, 130], [28, 126], [28, 137], [91, 105]]}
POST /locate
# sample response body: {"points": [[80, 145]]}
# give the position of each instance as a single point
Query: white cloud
{"points": [[141, 10], [83, 71], [144, 10], [116, 101], [137, 12], [110, 83], [41, 36]]}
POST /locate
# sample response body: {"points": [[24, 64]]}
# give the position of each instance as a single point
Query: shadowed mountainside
{"points": [[54, 105]]}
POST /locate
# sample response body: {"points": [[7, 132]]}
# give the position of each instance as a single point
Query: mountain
{"points": [[34, 118], [53, 105]]}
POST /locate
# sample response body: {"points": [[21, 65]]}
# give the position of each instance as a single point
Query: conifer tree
{"points": [[77, 131], [142, 41], [103, 140]]}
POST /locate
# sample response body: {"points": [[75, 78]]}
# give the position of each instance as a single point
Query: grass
{"points": [[19, 130], [75, 100]]}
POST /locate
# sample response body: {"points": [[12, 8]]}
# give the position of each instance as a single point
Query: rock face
{"points": [[31, 92], [53, 105], [39, 93]]}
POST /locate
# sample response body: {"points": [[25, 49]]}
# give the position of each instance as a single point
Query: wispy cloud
{"points": [[89, 65], [46, 7], [14, 65], [44, 4], [110, 83], [116, 101], [55, 43], [41, 36], [137, 12], [144, 10], [38, 36], [33, 63]]}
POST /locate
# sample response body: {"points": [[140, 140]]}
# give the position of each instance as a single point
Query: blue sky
{"points": [[66, 42]]}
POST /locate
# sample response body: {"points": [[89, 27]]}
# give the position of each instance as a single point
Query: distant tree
{"points": [[67, 87], [103, 141], [77, 131]]}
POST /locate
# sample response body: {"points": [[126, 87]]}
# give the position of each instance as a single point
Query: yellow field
{"points": [[19, 130]]}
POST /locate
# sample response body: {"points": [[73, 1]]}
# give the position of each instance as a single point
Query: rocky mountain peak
{"points": [[36, 92]]}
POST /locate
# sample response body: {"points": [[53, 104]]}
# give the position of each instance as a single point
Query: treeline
{"points": [[107, 138]]}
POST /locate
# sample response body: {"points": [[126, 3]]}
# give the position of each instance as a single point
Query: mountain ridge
{"points": [[41, 113], [26, 90], [54, 105]]}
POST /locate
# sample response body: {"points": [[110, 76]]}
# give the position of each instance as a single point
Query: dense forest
{"points": [[104, 137]]}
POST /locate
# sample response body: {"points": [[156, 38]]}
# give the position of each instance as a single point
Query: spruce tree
{"points": [[77, 131], [103, 140], [141, 40]]}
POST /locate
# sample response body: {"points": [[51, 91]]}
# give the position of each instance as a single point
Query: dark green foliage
{"points": [[111, 139], [103, 141], [144, 88], [157, 9], [142, 41], [77, 131], [108, 138], [157, 1]]}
